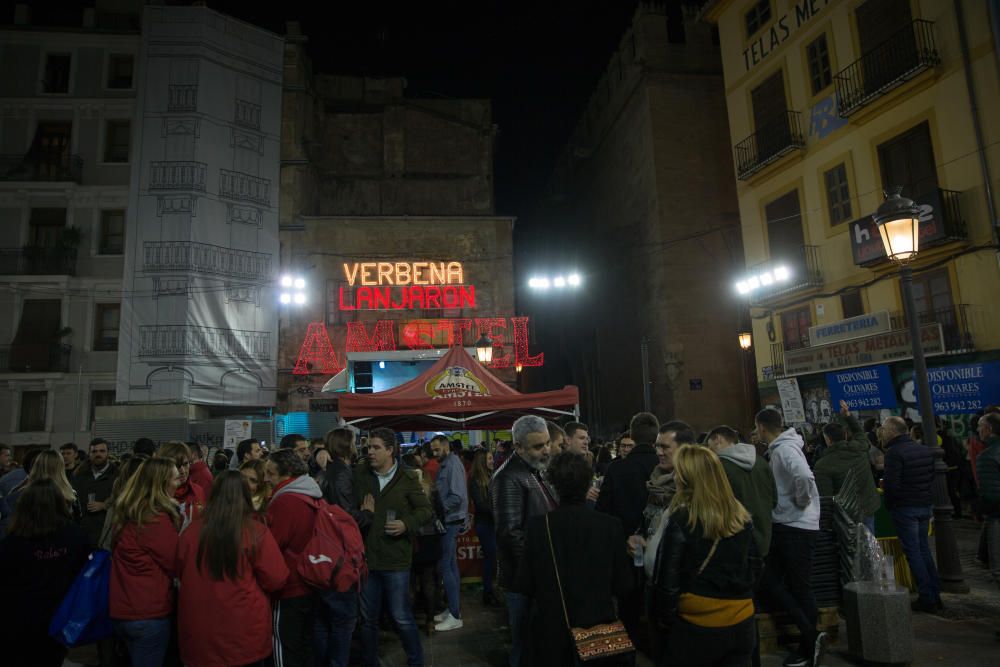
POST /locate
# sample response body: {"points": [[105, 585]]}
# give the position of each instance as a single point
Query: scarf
{"points": [[661, 487]]}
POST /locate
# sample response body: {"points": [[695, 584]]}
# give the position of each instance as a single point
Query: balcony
{"points": [[41, 167], [179, 175], [768, 144], [194, 341], [188, 256], [37, 261], [777, 362], [954, 321], [35, 358], [244, 187], [247, 114], [182, 97], [803, 273], [889, 65], [941, 221]]}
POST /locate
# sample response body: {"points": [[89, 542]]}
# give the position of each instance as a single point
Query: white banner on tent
{"points": [[198, 316]]}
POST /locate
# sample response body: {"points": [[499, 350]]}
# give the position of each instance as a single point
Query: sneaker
{"points": [[795, 660], [443, 615], [819, 649], [449, 623]]}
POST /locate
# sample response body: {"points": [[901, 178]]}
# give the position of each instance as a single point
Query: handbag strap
{"points": [[552, 550], [711, 552]]}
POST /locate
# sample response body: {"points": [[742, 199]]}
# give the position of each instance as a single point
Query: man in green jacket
{"points": [[988, 473], [846, 454], [401, 507], [751, 479]]}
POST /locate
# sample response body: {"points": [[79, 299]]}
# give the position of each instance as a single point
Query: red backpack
{"points": [[334, 557]]}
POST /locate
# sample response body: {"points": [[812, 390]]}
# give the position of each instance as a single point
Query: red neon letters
{"points": [[316, 354], [408, 297]]}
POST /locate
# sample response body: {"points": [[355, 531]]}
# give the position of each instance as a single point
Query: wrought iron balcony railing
{"points": [[177, 175], [244, 187], [768, 144], [35, 357], [892, 63], [41, 167], [37, 261], [804, 272], [941, 221], [954, 321], [247, 114], [182, 97], [160, 256], [777, 361], [190, 340]]}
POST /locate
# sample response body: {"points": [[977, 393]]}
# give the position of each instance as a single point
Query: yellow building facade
{"points": [[830, 103]]}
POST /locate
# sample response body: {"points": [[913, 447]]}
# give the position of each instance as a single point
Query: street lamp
{"points": [[746, 340], [292, 290], [898, 221], [484, 349]]}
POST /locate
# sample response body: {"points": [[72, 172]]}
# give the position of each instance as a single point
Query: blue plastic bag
{"points": [[82, 616]]}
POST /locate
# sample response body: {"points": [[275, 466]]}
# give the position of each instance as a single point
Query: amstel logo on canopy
{"points": [[455, 382]]}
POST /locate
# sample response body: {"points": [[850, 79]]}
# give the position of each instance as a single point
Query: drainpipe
{"points": [[963, 39], [995, 20]]}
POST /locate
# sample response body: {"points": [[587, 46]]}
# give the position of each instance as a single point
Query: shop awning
{"points": [[455, 393]]}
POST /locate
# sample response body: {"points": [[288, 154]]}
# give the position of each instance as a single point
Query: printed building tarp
{"points": [[457, 392], [198, 318]]}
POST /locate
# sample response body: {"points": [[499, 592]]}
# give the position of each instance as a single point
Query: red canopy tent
{"points": [[456, 393]]}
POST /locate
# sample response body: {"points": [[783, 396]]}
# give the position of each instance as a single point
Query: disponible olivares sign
{"points": [[411, 286]]}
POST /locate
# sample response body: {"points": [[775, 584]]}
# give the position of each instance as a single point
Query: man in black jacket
{"points": [[92, 482], [518, 493], [909, 476]]}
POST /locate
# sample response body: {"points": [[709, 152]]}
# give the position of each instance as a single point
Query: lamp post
{"points": [[484, 349], [899, 226]]}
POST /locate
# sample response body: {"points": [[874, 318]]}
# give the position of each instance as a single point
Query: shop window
{"points": [[758, 16], [106, 320], [818, 55], [795, 328], [33, 410], [838, 194], [851, 304]]}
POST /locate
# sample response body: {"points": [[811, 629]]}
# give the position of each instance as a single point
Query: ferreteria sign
{"points": [[405, 286], [868, 351], [780, 30], [852, 327]]}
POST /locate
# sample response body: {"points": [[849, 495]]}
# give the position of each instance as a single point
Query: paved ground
{"points": [[962, 635]]}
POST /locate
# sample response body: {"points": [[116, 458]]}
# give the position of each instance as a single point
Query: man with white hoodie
{"points": [[795, 527]]}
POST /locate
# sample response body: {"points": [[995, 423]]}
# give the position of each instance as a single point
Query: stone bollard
{"points": [[879, 627]]}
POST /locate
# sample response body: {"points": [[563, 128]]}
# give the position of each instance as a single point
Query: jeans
{"points": [[449, 568], [786, 579], [146, 640], [336, 617], [488, 539], [993, 546], [517, 617], [911, 527], [395, 585]]}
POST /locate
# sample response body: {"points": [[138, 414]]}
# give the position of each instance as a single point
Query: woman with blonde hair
{"points": [[143, 562], [253, 472], [189, 496], [49, 465], [702, 589]]}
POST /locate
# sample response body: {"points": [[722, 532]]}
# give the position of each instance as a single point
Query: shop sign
{"points": [[405, 286], [852, 327], [780, 30], [791, 401], [866, 243], [964, 389], [869, 388], [868, 351]]}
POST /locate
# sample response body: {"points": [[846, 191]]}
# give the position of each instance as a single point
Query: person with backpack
{"points": [[401, 508], [227, 563], [291, 515]]}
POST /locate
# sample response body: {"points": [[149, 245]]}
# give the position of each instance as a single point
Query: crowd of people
{"points": [[665, 539]]}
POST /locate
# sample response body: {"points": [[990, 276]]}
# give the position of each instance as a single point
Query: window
{"points": [[33, 410], [116, 141], [112, 233], [784, 229], [851, 305], [907, 161], [100, 398], [106, 326], [36, 345], [770, 117], [758, 16], [120, 70], [838, 194], [56, 79], [46, 227], [818, 55], [795, 328]]}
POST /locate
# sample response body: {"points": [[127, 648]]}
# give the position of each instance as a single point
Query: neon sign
{"points": [[317, 355], [404, 273], [407, 298]]}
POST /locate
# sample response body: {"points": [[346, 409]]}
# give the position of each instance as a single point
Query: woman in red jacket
{"points": [[189, 496], [143, 562], [228, 563]]}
